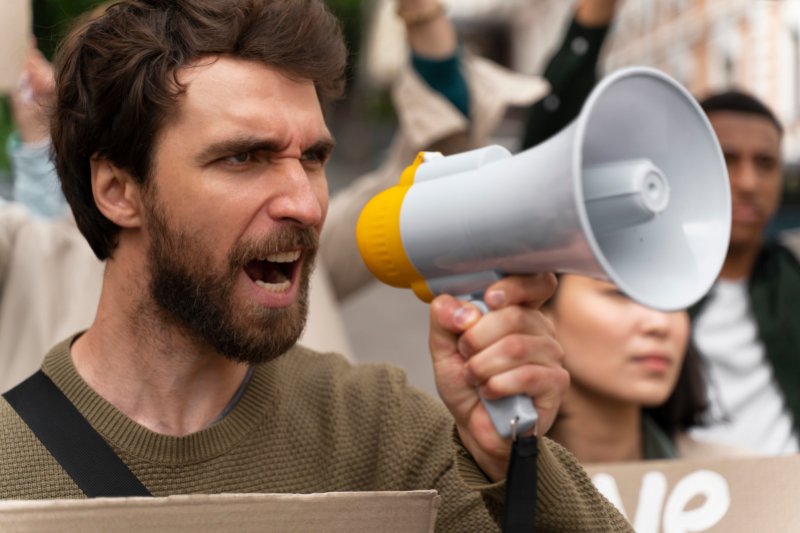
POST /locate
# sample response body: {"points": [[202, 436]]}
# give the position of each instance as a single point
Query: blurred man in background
{"points": [[748, 327]]}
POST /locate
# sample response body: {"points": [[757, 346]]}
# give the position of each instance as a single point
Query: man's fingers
{"points": [[531, 380], [511, 352], [546, 385], [531, 291], [449, 319], [498, 324]]}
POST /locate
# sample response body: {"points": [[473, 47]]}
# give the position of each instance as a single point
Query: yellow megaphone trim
{"points": [[380, 242]]}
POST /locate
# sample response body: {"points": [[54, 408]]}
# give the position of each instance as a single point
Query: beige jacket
{"points": [[50, 281]]}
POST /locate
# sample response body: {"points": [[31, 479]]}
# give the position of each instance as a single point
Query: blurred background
{"points": [[707, 45]]}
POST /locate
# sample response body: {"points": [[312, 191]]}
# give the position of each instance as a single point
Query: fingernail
{"points": [[468, 376], [464, 349], [464, 316], [495, 299]]}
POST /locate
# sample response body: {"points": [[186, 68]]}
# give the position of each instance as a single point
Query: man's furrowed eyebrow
{"points": [[239, 145], [324, 146]]}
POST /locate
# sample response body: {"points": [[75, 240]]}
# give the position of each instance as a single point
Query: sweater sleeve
{"points": [[445, 76], [566, 498], [572, 76], [424, 438]]}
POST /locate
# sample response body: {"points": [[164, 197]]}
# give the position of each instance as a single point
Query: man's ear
{"points": [[116, 193]]}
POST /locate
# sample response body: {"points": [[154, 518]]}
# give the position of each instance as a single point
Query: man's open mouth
{"points": [[274, 272]]}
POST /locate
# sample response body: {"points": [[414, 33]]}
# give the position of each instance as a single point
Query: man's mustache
{"points": [[283, 239]]}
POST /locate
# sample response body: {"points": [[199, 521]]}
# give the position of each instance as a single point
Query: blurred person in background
{"points": [[636, 384], [572, 72], [35, 181], [748, 327], [49, 278]]}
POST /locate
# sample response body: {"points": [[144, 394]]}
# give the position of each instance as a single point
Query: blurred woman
{"points": [[636, 384]]}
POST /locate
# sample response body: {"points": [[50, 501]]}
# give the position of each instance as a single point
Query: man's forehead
{"points": [[231, 96], [745, 129]]}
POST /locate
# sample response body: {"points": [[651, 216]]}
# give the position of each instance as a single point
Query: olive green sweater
{"points": [[307, 423]]}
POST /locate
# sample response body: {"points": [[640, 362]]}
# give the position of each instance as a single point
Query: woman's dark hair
{"points": [[687, 405], [117, 79]]}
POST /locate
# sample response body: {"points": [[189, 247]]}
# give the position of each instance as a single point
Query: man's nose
{"points": [[744, 178], [294, 200]]}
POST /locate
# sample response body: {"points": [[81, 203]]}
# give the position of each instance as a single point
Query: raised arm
{"points": [[572, 72]]}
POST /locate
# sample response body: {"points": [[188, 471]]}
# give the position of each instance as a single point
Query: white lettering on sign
{"points": [[651, 501], [676, 519], [701, 483]]}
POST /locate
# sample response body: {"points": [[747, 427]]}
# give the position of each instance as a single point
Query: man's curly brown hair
{"points": [[117, 79]]}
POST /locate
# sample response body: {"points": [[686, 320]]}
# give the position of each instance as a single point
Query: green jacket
{"points": [[775, 299]]}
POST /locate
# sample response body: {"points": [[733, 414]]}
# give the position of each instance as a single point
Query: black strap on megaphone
{"points": [[519, 510]]}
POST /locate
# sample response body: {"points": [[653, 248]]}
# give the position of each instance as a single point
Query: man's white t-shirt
{"points": [[747, 406]]}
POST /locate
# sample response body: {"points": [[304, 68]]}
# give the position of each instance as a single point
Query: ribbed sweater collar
{"points": [[123, 433]]}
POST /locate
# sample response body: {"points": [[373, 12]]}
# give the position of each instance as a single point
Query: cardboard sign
{"points": [[16, 27], [339, 512], [730, 496]]}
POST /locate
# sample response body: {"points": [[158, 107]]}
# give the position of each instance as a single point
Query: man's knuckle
{"points": [[516, 318], [477, 368], [515, 347]]}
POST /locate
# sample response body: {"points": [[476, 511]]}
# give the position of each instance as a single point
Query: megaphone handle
{"points": [[513, 415]]}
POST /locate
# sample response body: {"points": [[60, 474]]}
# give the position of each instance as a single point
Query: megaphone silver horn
{"points": [[634, 191]]}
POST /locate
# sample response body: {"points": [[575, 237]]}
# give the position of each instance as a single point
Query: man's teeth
{"points": [[283, 257], [274, 287]]}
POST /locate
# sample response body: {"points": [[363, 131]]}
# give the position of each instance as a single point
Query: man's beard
{"points": [[198, 297]]}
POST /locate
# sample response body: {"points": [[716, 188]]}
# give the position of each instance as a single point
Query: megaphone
{"points": [[634, 191]]}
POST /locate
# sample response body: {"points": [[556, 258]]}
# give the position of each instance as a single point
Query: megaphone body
{"points": [[634, 191]]}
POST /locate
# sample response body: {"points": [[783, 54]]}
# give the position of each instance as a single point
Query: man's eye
{"points": [[238, 158], [766, 163], [313, 157]]}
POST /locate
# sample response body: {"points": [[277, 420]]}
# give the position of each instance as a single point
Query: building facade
{"points": [[713, 45]]}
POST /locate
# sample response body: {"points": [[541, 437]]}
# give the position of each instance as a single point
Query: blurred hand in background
{"points": [[31, 102], [430, 33]]}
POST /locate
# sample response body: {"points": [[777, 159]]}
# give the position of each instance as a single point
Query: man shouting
{"points": [[191, 145]]}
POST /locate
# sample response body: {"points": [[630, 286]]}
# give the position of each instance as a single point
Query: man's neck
{"points": [[152, 372], [740, 260], [596, 430]]}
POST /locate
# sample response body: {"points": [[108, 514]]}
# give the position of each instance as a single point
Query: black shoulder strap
{"points": [[519, 508], [71, 440]]}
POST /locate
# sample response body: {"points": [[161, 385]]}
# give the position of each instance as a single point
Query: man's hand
{"points": [[511, 350]]}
